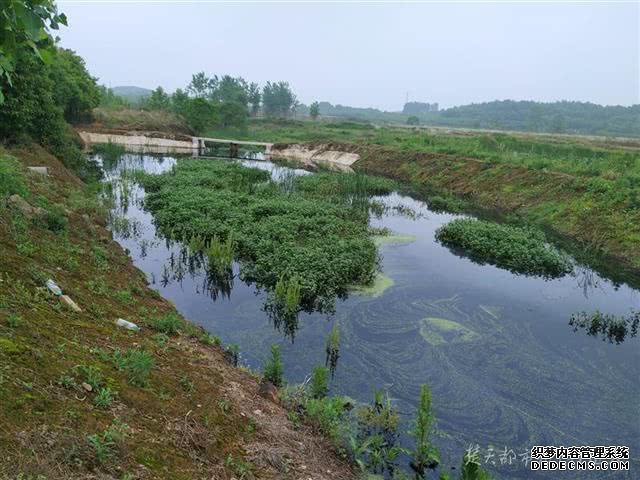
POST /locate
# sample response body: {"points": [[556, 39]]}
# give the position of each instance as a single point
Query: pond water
{"points": [[505, 368]]}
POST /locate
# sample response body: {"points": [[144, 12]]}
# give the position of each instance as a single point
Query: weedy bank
{"points": [[583, 190], [83, 397]]}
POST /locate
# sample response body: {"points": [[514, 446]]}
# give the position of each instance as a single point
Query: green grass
{"points": [[12, 179], [517, 249], [137, 364], [169, 324], [566, 155], [103, 398]]}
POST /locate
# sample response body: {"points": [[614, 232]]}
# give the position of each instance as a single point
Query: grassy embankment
{"points": [[583, 190], [81, 397]]}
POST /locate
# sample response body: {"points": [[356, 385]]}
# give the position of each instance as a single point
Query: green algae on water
{"points": [[440, 331], [380, 283]]}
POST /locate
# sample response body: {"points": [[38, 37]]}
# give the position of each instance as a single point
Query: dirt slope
{"points": [[179, 410]]}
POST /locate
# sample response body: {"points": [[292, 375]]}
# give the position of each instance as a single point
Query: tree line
{"points": [[209, 102], [554, 117]]}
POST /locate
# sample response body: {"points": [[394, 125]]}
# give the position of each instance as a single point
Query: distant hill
{"points": [[131, 93], [556, 117]]}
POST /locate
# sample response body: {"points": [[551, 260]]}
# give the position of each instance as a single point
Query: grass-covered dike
{"points": [[520, 250]]}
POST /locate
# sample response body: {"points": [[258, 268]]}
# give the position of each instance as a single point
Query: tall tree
{"points": [[25, 26], [158, 100], [278, 100], [314, 110], [76, 91], [254, 98], [201, 86]]}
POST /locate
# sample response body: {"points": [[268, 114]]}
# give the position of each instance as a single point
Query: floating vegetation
{"points": [[324, 243], [333, 349], [519, 250], [610, 327], [393, 239], [376, 288], [440, 331]]}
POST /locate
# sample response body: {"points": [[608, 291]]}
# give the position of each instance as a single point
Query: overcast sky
{"points": [[370, 54]]}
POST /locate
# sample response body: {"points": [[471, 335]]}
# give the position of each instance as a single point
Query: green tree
{"points": [[31, 112], [413, 120], [425, 455], [158, 100], [179, 101], [254, 98], [76, 91], [108, 98], [25, 27], [201, 86], [200, 114], [314, 110], [278, 100]]}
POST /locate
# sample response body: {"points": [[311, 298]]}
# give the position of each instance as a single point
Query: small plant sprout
{"points": [[319, 382], [103, 398], [425, 455], [273, 369]]}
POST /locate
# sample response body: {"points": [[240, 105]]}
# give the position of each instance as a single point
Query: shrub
{"points": [[54, 219], [327, 415], [520, 250], [273, 369], [167, 324]]}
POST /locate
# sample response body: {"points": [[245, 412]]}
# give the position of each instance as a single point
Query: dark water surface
{"points": [[505, 368]]}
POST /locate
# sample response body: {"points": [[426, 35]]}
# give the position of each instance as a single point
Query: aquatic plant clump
{"points": [[519, 250], [304, 248]]}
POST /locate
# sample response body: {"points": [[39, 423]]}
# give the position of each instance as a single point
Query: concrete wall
{"points": [[139, 143], [316, 156]]}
